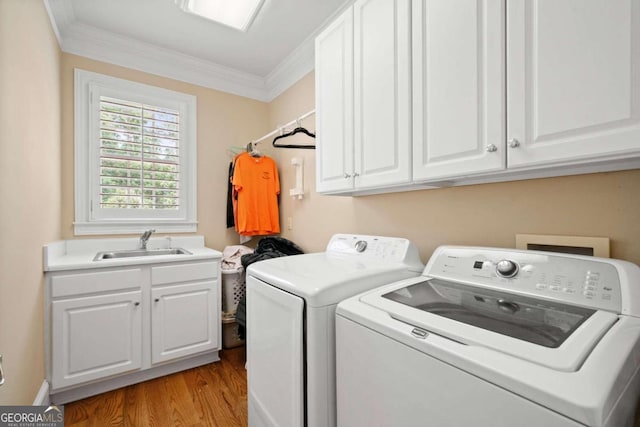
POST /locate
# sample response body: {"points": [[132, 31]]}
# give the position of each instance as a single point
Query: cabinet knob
{"points": [[347, 176], [492, 148], [157, 300], [514, 143], [356, 175], [136, 303]]}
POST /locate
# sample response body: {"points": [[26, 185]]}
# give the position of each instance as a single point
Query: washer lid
{"points": [[559, 336], [536, 321], [327, 278]]}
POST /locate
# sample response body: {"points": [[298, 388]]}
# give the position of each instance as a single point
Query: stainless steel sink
{"points": [[139, 253]]}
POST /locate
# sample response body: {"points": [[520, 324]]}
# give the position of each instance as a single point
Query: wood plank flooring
{"points": [[209, 395]]}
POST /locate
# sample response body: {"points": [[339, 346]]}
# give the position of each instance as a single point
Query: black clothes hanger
{"points": [[299, 129]]}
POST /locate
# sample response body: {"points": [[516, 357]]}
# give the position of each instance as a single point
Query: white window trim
{"points": [[86, 161]]}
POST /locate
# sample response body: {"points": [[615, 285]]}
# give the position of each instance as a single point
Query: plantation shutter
{"points": [[139, 156]]}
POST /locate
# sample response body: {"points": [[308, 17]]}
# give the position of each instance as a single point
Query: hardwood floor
{"points": [[210, 395]]}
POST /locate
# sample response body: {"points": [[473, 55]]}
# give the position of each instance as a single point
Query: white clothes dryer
{"points": [[291, 305], [493, 338]]}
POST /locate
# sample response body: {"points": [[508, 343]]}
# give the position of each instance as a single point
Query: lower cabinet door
{"points": [[95, 337], [184, 320]]}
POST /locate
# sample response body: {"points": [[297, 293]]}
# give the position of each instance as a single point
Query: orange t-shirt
{"points": [[258, 185]]}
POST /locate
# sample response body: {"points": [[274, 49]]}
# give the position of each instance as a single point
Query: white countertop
{"points": [[78, 254]]}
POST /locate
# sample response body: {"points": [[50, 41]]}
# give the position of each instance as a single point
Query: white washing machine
{"points": [[493, 337], [291, 304]]}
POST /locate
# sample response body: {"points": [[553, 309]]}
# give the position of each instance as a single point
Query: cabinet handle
{"points": [[514, 143], [492, 148], [157, 300], [1, 372], [356, 174], [347, 176], [136, 304]]}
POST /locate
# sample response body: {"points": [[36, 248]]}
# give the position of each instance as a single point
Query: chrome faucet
{"points": [[145, 238]]}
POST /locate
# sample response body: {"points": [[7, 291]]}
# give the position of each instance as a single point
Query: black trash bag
{"points": [[271, 247]]}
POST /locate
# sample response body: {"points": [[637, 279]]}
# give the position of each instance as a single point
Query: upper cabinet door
{"points": [[573, 80], [458, 88], [334, 105], [382, 96]]}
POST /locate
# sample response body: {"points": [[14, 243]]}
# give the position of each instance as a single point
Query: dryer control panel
{"points": [[585, 281], [377, 247]]}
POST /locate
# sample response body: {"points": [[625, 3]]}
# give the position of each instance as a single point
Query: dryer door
{"points": [[275, 357]]}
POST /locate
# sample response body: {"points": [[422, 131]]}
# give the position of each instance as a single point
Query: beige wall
{"points": [[29, 188], [224, 120], [605, 204], [36, 171], [36, 168], [316, 217]]}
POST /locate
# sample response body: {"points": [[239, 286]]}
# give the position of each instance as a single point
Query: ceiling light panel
{"points": [[237, 14]]}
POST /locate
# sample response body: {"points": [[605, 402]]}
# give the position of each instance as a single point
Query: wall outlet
{"points": [[289, 223]]}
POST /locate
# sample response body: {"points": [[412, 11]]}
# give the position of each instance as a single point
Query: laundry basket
{"points": [[233, 289], [230, 335]]}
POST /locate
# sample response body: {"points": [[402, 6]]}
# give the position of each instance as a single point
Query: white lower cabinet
{"points": [[183, 321], [95, 337], [112, 322]]}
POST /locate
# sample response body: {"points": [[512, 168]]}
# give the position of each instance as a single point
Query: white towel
{"points": [[231, 256]]}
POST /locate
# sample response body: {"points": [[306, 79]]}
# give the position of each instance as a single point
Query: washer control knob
{"points": [[361, 245], [506, 268]]}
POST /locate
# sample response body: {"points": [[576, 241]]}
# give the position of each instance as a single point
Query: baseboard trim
{"points": [[74, 393], [42, 398]]}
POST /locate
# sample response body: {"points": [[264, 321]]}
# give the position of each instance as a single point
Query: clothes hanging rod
{"points": [[281, 128]]}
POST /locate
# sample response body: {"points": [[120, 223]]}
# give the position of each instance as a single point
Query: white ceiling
{"points": [[158, 37]]}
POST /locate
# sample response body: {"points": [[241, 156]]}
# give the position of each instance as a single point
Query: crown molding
{"points": [[294, 67], [300, 62], [54, 24], [94, 43]]}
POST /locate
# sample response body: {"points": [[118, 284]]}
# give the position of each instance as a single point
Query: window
{"points": [[134, 155]]}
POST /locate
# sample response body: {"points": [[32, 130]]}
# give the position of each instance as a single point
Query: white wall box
{"points": [[110, 327], [500, 91], [363, 82]]}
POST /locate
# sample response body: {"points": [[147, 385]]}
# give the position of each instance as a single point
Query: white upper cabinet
{"points": [[363, 98], [334, 105], [458, 87], [444, 92], [573, 80], [382, 92]]}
